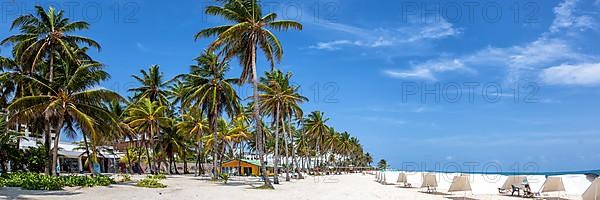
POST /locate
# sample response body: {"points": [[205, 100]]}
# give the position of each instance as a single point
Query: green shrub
{"points": [[157, 177], [87, 181], [36, 181], [150, 183], [225, 177]]}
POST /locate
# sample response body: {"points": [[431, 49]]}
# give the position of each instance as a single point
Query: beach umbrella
{"points": [[553, 184], [593, 192], [402, 178], [514, 180]]}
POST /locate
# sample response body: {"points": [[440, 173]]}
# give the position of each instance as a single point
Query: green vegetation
{"points": [[37, 181], [157, 177], [382, 164], [150, 183], [225, 177]]}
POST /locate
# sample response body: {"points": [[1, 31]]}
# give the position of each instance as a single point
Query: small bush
{"points": [[150, 183], [225, 177], [157, 177]]}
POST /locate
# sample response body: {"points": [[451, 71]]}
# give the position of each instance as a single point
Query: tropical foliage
{"points": [[51, 86]]}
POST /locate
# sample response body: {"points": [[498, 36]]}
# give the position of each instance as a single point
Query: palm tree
{"points": [[368, 159], [316, 129], [172, 142], [46, 36], [147, 118], [122, 129], [250, 31], [212, 93], [69, 102], [152, 86], [280, 100], [382, 164], [194, 125]]}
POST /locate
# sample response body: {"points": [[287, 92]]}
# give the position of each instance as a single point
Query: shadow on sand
{"points": [[18, 193]]}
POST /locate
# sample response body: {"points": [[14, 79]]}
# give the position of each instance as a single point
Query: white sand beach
{"points": [[348, 186]]}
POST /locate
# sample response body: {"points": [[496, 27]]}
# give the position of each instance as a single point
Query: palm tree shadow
{"points": [[11, 193]]}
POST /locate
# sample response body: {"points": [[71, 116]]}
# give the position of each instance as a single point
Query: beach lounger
{"points": [[515, 189]]}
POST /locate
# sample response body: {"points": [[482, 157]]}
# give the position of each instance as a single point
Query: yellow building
{"points": [[246, 167]]}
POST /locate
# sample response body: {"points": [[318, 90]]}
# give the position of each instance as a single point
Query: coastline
{"points": [[346, 186]]}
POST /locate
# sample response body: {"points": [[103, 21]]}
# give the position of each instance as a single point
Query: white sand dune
{"points": [[351, 187]]}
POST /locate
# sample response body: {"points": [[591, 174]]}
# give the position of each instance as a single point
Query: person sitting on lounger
{"points": [[527, 191]]}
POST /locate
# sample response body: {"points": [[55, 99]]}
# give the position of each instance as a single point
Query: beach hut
{"points": [[245, 167], [593, 192], [430, 182], [403, 179]]}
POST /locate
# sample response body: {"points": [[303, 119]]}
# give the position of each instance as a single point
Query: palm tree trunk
{"points": [[47, 138], [276, 167], [198, 159], [287, 155], [55, 148], [213, 125], [317, 155], [146, 146], [184, 155], [87, 152], [239, 168], [257, 120]]}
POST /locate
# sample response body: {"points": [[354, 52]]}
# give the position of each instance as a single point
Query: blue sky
{"points": [[366, 64]]}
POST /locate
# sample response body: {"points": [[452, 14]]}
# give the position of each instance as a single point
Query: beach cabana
{"points": [[553, 184], [593, 192], [403, 180], [513, 184], [460, 184], [429, 182]]}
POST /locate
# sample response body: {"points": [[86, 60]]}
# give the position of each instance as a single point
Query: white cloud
{"points": [[141, 47], [528, 60], [336, 44], [437, 30], [520, 60], [383, 37], [582, 74], [428, 69], [566, 17]]}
